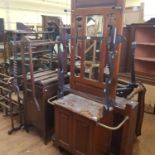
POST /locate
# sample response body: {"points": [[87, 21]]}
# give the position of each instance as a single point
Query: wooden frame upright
{"points": [[103, 8]]}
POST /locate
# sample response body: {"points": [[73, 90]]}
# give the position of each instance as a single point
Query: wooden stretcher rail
{"points": [[37, 52], [9, 100], [45, 43], [36, 42], [4, 105], [5, 89]]}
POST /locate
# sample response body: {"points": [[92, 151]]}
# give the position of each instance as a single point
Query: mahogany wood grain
{"points": [[79, 135], [83, 12]]}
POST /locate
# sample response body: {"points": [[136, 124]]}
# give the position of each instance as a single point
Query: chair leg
{"points": [[6, 111], [20, 115], [12, 119], [1, 108]]}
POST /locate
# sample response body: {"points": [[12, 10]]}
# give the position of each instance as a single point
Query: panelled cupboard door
{"points": [[63, 127], [82, 135]]}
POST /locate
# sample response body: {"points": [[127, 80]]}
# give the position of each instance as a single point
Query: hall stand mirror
{"points": [[91, 43], [82, 126]]}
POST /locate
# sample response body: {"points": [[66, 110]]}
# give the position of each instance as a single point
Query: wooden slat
{"points": [[46, 81], [45, 77], [43, 73]]}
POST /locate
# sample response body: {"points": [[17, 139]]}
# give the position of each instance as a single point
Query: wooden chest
{"points": [[76, 127]]}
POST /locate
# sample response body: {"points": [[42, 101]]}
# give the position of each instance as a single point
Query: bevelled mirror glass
{"points": [[94, 36], [78, 46]]}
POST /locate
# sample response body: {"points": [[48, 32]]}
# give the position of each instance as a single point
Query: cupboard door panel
{"points": [[82, 133], [63, 126]]}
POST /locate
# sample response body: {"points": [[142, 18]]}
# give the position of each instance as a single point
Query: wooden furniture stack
{"points": [[11, 101]]}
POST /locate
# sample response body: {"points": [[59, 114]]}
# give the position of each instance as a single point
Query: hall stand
{"points": [[83, 126]]}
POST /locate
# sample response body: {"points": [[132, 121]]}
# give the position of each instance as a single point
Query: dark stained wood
{"points": [[125, 54], [42, 120], [140, 111], [137, 94]]}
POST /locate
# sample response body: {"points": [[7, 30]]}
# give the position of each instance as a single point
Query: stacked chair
{"points": [[11, 101]]}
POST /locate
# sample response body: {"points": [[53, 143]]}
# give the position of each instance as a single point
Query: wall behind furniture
{"points": [[148, 12], [134, 14], [149, 9], [131, 3], [29, 12]]}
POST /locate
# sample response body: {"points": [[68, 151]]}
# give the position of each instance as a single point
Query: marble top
{"points": [[83, 106]]}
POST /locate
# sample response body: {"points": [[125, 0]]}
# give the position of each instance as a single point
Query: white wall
{"points": [[30, 11], [130, 3], [149, 9], [134, 14]]}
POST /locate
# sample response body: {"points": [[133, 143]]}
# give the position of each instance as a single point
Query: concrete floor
{"points": [[22, 143]]}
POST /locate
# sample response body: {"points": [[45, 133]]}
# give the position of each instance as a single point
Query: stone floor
{"points": [[22, 143]]}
